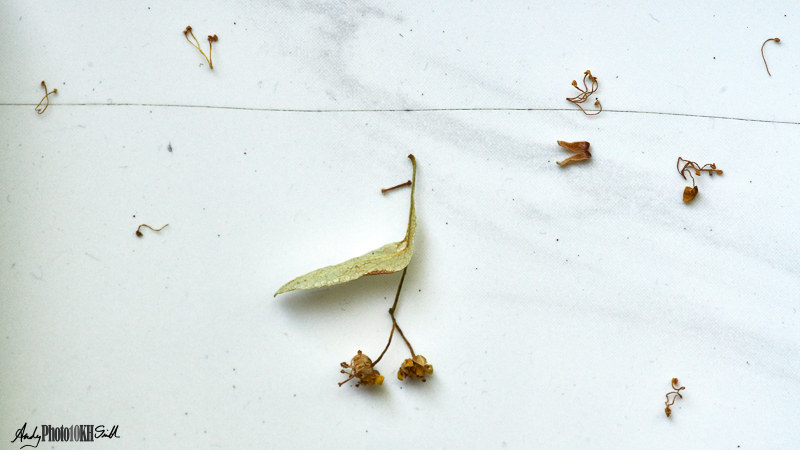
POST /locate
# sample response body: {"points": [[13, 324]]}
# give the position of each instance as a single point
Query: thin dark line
{"points": [[239, 108]]}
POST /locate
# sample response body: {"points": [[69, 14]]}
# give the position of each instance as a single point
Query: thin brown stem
{"points": [[393, 309], [387, 345], [777, 40], [407, 183], [413, 355], [139, 232]]}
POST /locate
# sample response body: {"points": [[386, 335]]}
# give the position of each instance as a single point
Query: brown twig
{"points": [[46, 97], [139, 233], [586, 92], [777, 40]]}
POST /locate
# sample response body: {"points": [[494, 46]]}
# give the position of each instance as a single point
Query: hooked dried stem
{"points": [[45, 98], [777, 41], [586, 92], [196, 44], [139, 232]]}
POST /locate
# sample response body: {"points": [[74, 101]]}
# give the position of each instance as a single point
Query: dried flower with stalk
{"points": [[196, 44], [139, 232], [777, 41], [675, 394], [45, 98], [586, 92], [689, 193], [581, 150], [390, 258]]}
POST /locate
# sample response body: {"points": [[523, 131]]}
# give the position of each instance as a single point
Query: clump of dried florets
{"points": [[361, 367], [415, 367]]}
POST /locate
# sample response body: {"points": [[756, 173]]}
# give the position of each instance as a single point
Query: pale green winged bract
{"points": [[387, 259]]}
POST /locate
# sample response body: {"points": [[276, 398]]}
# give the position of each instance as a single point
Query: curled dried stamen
{"points": [[45, 98], [196, 44], [586, 92], [139, 232], [675, 394], [581, 150], [777, 40]]}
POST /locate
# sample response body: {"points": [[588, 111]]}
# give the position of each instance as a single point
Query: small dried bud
{"points": [[689, 193], [139, 233], [213, 38], [361, 367], [777, 39], [55, 91], [674, 381], [416, 367], [187, 30], [42, 83], [668, 411], [574, 83]]}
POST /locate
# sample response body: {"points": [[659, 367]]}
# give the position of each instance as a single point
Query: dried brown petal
{"points": [[580, 148], [689, 193]]}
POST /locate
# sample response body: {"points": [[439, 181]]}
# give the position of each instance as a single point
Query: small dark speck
{"points": [[134, 215], [295, 395], [400, 35], [556, 240], [186, 414], [169, 146]]}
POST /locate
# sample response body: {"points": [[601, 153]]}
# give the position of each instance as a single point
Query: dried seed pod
{"points": [[415, 367], [361, 367]]}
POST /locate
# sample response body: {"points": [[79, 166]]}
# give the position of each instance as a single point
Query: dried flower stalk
{"points": [[581, 150], [689, 193], [777, 41], [196, 44], [675, 394], [45, 98], [586, 92], [139, 232]]}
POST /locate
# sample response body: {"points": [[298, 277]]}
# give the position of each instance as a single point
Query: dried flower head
{"points": [[580, 148], [415, 367], [361, 367], [586, 92]]}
